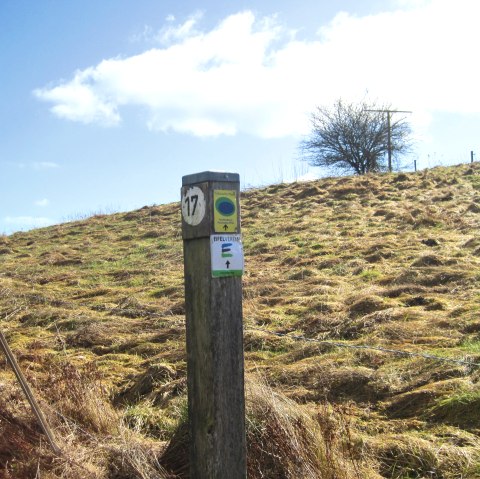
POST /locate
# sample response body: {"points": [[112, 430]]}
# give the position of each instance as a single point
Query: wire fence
{"points": [[166, 318], [397, 352], [433, 161]]}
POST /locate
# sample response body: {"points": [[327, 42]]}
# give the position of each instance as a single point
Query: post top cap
{"points": [[204, 176]]}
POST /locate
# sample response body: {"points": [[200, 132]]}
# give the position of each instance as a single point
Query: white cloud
{"points": [[253, 75], [82, 99], [171, 33], [36, 165], [145, 35], [44, 165], [42, 203]]}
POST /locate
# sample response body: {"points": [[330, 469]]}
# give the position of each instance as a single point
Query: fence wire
{"points": [[397, 352], [165, 319]]}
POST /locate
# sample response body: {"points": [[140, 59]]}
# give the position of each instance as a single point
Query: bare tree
{"points": [[356, 137]]}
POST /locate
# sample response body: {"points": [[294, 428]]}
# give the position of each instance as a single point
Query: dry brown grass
{"points": [[94, 309], [94, 440], [287, 441]]}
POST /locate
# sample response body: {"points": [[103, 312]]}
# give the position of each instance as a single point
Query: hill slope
{"points": [[94, 311]]}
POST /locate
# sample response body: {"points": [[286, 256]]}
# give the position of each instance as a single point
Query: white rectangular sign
{"points": [[227, 255]]}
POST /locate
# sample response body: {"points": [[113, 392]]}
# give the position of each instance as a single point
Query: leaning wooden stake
{"points": [[213, 262], [31, 399]]}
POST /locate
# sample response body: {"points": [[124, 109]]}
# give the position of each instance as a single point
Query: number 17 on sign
{"points": [[193, 206]]}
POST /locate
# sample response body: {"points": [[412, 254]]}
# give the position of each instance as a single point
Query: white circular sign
{"points": [[193, 206]]}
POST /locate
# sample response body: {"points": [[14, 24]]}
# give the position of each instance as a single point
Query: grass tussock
{"points": [[95, 441], [459, 409], [409, 455], [81, 396], [287, 441]]}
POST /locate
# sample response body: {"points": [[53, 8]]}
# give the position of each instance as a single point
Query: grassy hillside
{"points": [[94, 312]]}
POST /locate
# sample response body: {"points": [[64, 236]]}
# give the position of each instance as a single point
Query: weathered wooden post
{"points": [[213, 262], [28, 393]]}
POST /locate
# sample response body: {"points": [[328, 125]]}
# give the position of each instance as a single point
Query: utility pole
{"points": [[389, 132]]}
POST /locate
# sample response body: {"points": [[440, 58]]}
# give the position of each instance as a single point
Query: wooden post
{"points": [[28, 393], [415, 164], [213, 263], [471, 156]]}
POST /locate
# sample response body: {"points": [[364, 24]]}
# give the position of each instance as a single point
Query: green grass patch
{"points": [[460, 409], [370, 275]]}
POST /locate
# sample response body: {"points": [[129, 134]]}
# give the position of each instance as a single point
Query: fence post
{"points": [[471, 156], [213, 264], [28, 393]]}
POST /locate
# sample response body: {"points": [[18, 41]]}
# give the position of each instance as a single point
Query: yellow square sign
{"points": [[225, 214]]}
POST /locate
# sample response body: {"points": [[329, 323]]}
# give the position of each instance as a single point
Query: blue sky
{"points": [[106, 105]]}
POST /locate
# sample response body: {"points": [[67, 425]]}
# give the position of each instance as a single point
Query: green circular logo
{"points": [[225, 206]]}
